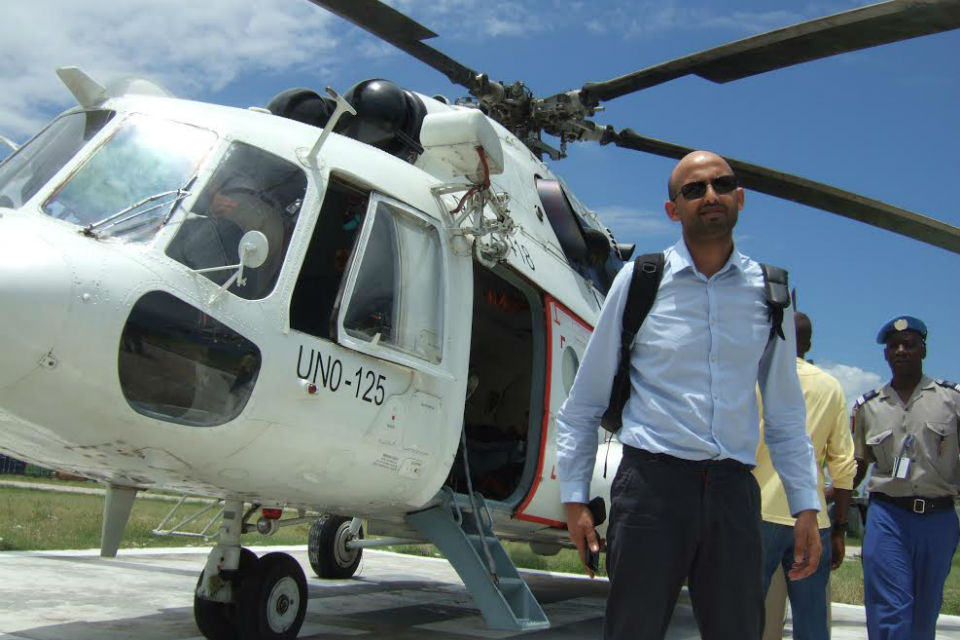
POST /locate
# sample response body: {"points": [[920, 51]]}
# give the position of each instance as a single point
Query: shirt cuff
{"points": [[575, 491], [803, 500]]}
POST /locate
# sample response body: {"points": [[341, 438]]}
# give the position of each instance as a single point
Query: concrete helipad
{"points": [[148, 595]]}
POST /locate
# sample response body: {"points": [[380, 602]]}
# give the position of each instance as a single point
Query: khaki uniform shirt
{"points": [[882, 423]]}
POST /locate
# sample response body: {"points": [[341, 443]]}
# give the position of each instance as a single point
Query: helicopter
{"points": [[369, 305]]}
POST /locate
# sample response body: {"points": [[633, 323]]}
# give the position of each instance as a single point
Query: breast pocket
{"points": [[881, 446], [939, 444]]}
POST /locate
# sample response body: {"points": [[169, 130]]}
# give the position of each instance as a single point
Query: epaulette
{"points": [[948, 385], [867, 397]]}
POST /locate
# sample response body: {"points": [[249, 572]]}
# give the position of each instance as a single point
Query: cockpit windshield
{"points": [[145, 158], [35, 163]]}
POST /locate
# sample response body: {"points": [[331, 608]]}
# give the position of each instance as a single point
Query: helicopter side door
{"points": [[567, 337], [377, 345]]}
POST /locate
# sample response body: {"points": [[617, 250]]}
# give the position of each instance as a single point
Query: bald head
{"points": [[804, 333], [690, 162]]}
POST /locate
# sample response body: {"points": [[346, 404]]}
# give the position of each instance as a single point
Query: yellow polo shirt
{"points": [[829, 430]]}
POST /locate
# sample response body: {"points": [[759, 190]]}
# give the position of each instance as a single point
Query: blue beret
{"points": [[902, 323]]}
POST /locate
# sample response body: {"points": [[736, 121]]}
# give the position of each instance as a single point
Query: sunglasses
{"points": [[721, 185]]}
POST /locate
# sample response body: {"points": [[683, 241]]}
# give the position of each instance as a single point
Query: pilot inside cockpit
{"points": [[210, 237]]}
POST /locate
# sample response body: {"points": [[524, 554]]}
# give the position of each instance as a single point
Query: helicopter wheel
{"points": [[273, 600], [327, 548], [217, 620]]}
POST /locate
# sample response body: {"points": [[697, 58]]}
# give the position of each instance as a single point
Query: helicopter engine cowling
{"points": [[388, 118], [302, 105]]}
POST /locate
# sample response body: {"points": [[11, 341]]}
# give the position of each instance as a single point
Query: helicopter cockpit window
{"points": [[180, 365], [35, 163], [398, 297], [129, 186], [251, 190]]}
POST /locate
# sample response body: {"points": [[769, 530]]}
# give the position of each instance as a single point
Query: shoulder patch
{"points": [[867, 397], [948, 385]]}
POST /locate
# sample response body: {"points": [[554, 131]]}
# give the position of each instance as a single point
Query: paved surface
{"points": [[148, 595]]}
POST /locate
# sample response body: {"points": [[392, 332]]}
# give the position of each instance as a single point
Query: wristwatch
{"points": [[839, 527]]}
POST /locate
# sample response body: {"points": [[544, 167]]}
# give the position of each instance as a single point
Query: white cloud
{"points": [[636, 225], [467, 19], [596, 26], [194, 47], [185, 45], [855, 381]]}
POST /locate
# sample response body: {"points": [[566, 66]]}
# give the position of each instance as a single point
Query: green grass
{"points": [[44, 520]]}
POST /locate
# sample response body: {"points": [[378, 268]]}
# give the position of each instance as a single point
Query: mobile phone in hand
{"points": [[593, 560], [598, 510]]}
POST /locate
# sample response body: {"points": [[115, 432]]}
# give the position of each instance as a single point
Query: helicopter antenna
{"points": [[85, 89], [342, 106]]}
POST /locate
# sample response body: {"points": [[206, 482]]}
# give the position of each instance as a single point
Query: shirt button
{"points": [[713, 358]]}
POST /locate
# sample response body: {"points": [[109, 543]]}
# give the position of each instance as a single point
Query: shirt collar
{"points": [[926, 382], [678, 259]]}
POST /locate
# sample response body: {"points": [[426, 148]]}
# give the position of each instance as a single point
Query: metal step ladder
{"points": [[460, 527]]}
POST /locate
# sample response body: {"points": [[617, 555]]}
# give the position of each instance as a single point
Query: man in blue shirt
{"points": [[684, 504]]}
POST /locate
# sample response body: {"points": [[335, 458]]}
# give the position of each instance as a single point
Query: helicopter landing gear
{"points": [[330, 557], [241, 597], [273, 600], [218, 620]]}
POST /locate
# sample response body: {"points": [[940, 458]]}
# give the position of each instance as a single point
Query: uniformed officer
{"points": [[908, 429]]}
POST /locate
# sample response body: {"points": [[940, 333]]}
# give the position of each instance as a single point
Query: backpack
{"points": [[647, 272]]}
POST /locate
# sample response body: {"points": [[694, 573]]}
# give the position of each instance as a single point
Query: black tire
{"points": [[217, 620], [326, 548], [273, 600]]}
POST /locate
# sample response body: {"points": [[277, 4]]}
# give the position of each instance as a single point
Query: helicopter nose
{"points": [[35, 292]]}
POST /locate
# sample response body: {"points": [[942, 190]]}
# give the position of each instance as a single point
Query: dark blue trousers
{"points": [[906, 559], [808, 597], [672, 520]]}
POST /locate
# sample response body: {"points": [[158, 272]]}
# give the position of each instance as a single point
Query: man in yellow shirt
{"points": [[828, 427]]}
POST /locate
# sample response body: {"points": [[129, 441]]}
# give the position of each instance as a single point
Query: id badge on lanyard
{"points": [[901, 466]]}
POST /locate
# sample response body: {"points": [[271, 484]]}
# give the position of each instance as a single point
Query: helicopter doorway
{"points": [[503, 413]]}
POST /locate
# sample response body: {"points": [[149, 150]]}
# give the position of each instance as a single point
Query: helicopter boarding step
{"points": [[460, 528]]}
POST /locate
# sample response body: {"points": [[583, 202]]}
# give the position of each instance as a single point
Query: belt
{"points": [[663, 458], [915, 504]]}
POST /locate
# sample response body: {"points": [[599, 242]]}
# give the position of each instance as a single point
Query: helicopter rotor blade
{"points": [[813, 194], [853, 30], [404, 33]]}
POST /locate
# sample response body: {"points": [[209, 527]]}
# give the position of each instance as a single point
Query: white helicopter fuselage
{"points": [[340, 423]]}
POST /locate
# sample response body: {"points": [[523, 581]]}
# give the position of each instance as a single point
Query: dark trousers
{"points": [[671, 520]]}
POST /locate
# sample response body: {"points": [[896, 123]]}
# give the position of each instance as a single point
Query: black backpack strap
{"points": [[777, 292], [647, 272]]}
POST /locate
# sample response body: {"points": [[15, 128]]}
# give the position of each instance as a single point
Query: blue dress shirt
{"points": [[694, 368]]}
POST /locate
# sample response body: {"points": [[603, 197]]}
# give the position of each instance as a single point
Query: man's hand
{"points": [[581, 531], [838, 548], [806, 545]]}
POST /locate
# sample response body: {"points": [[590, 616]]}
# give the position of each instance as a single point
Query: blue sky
{"points": [[881, 122]]}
